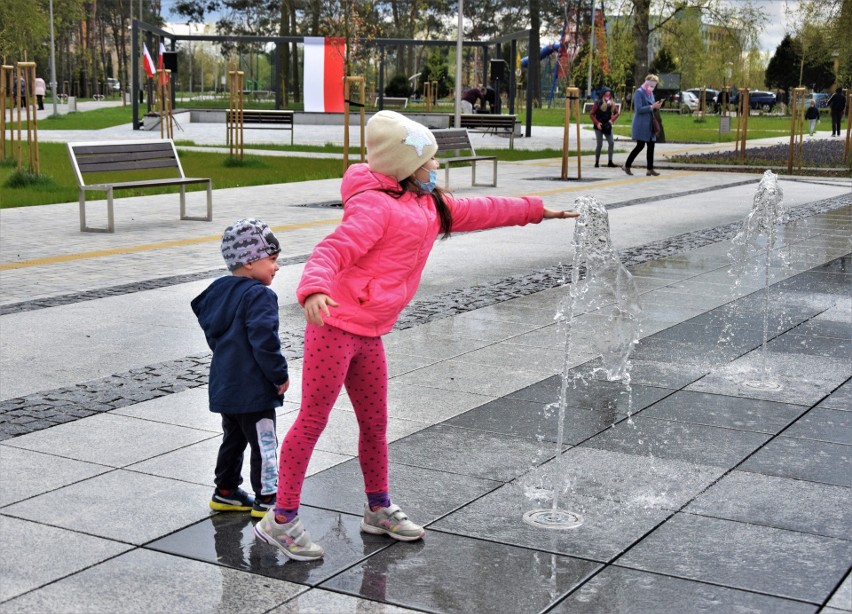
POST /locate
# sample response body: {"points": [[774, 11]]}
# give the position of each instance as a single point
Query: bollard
{"points": [[72, 104]]}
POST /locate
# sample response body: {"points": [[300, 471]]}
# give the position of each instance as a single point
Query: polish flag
{"points": [[147, 62], [164, 78], [324, 74]]}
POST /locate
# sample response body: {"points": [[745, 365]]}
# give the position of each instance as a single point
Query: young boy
{"points": [[248, 374]]}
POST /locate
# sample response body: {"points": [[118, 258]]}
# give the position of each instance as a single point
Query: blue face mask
{"points": [[430, 185]]}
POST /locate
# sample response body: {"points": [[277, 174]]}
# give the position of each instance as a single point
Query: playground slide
{"points": [[545, 51]]}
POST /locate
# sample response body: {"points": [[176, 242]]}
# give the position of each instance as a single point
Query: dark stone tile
{"points": [[473, 453], [803, 459], [700, 353], [744, 556], [649, 373], [448, 573], [537, 421], [824, 283], [820, 509], [424, 494], [593, 394], [724, 411], [634, 481], [616, 589], [823, 424], [695, 443], [825, 328], [811, 344], [608, 527], [840, 399], [228, 539], [842, 266], [691, 332]]}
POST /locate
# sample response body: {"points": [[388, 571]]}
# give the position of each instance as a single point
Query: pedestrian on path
{"points": [[837, 103], [645, 124], [248, 373], [39, 88], [604, 113], [812, 115], [353, 288]]}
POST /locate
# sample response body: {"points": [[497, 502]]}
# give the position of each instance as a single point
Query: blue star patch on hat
{"points": [[417, 139]]}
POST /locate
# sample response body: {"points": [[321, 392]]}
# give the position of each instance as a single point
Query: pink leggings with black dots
{"points": [[334, 358]]}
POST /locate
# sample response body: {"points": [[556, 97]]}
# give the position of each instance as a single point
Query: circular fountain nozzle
{"points": [[553, 519]]}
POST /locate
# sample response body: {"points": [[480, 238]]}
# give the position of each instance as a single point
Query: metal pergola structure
{"points": [[149, 31]]}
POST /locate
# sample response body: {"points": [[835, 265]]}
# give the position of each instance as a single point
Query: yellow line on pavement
{"points": [[7, 266]]}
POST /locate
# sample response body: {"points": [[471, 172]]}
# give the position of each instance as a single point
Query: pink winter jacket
{"points": [[372, 262]]}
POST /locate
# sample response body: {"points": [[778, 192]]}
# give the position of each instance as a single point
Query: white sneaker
{"points": [[291, 538], [391, 521]]}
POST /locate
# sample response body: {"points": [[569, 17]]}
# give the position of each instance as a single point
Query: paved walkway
{"points": [[697, 491]]}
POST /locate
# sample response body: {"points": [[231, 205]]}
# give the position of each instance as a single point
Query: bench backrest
{"points": [[453, 139], [262, 116], [122, 157], [487, 120], [392, 101]]}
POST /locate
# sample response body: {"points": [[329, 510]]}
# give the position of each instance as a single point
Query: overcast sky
{"points": [[778, 23]]}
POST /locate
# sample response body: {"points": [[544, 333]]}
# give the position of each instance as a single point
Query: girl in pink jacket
{"points": [[354, 286]]}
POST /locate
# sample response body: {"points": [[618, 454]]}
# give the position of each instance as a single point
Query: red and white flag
{"points": [[324, 59], [147, 62], [164, 78]]}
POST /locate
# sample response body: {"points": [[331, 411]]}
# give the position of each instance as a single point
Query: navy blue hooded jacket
{"points": [[239, 316]]}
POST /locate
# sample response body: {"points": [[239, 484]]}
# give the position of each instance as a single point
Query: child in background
{"points": [[812, 115], [354, 286], [248, 373]]}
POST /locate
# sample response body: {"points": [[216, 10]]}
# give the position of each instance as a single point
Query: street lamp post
{"points": [[459, 40], [52, 61]]}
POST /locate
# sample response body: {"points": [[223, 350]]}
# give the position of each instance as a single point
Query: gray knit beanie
{"points": [[248, 240]]}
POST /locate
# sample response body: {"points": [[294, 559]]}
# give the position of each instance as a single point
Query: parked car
{"points": [[113, 85], [821, 100], [757, 100], [688, 102], [710, 96]]}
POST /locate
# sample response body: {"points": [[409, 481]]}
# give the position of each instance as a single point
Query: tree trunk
{"points": [[297, 97], [533, 64], [284, 30], [641, 11]]}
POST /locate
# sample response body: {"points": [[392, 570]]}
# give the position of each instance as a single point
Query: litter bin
{"points": [[72, 104]]}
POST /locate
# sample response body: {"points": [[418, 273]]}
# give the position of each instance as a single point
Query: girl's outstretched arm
{"points": [[550, 214]]}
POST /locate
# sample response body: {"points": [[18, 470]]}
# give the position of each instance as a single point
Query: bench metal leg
{"points": [[110, 219], [446, 175], [208, 217], [493, 183]]}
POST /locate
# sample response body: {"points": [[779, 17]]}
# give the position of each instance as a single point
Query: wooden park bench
{"points": [[392, 102], [129, 164], [458, 140], [490, 123], [262, 119]]}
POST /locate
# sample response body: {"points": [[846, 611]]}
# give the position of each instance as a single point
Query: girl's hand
{"points": [[550, 214], [283, 387], [316, 305]]}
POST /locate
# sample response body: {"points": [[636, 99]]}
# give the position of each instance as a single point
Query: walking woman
{"points": [[604, 113], [644, 134]]}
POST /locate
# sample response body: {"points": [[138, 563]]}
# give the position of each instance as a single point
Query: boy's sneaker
{"points": [[391, 521], [291, 538], [237, 501], [262, 505]]}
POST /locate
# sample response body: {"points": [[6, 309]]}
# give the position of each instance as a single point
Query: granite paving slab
{"points": [[823, 424], [318, 601], [414, 342], [113, 507], [28, 561], [616, 589], [824, 327], [478, 454], [424, 494], [537, 421], [457, 375], [705, 352], [803, 459], [593, 394], [652, 373], [508, 578], [143, 581], [190, 408], [840, 398], [631, 480], [229, 540], [16, 464], [842, 597], [738, 555], [99, 439], [804, 379], [811, 344], [608, 529], [724, 411], [784, 503], [694, 443]]}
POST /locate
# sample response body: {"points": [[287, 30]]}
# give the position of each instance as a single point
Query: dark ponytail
{"points": [[441, 206]]}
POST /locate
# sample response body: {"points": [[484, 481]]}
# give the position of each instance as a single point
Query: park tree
{"points": [[783, 68], [23, 30]]}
